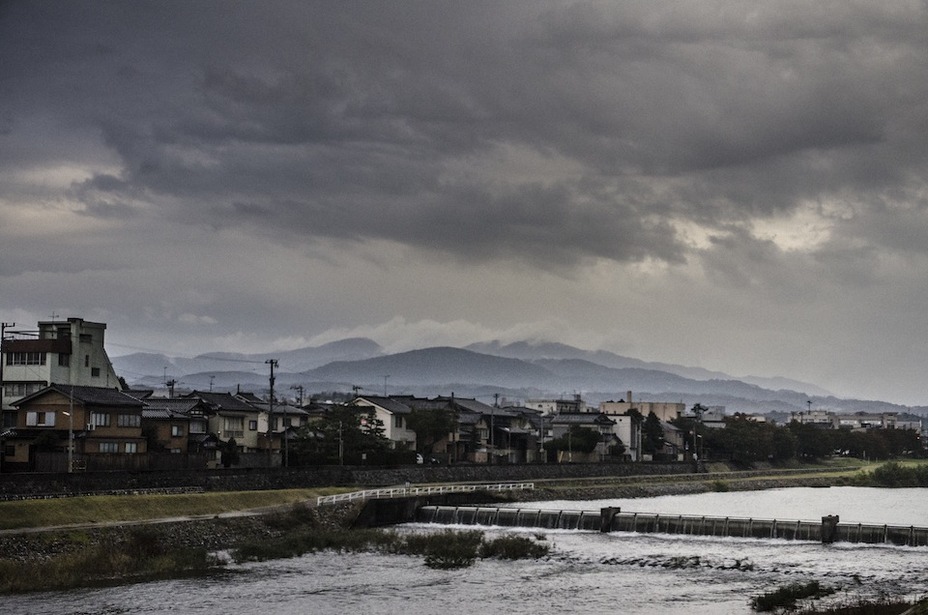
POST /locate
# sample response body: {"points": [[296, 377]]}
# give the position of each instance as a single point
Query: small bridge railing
{"points": [[401, 492]]}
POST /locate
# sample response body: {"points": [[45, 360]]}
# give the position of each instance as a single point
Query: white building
{"points": [[393, 415], [59, 352]]}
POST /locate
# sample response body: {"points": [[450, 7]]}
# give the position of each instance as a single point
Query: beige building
{"points": [[665, 411]]}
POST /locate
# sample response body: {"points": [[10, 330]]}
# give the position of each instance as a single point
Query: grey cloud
{"points": [[355, 104]]}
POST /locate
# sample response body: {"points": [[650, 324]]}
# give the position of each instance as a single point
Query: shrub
{"points": [[785, 597], [513, 547]]}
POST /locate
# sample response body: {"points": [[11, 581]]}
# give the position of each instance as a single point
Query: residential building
{"points": [[98, 420], [231, 418], [58, 352], [393, 414], [563, 422], [555, 406]]}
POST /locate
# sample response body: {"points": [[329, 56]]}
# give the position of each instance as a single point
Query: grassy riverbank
{"points": [[84, 510]]}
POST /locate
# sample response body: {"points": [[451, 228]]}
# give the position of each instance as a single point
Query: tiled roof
{"points": [[223, 401], [90, 396], [580, 418], [177, 404], [390, 405]]}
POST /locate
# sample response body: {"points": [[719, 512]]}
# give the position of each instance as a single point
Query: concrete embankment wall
{"points": [[828, 530]]}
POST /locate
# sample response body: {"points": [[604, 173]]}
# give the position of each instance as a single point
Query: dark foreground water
{"points": [[586, 571]]}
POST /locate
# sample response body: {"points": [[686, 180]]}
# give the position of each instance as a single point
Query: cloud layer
{"points": [[738, 187]]}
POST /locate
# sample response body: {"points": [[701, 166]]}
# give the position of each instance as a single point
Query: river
{"points": [[586, 571]]}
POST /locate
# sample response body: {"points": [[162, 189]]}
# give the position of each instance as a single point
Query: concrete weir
{"points": [[826, 531]]}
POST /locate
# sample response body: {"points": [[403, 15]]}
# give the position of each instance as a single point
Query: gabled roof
{"points": [[390, 405], [174, 408], [176, 404], [223, 401], [88, 396], [471, 404], [581, 418]]}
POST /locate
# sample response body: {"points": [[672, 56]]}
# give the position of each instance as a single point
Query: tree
{"points": [[652, 434], [577, 439], [229, 453], [348, 434], [812, 443], [430, 425]]}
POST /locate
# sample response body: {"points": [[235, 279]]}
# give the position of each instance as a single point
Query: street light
{"points": [[70, 415]]}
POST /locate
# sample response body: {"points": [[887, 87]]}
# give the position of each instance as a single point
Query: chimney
{"points": [[628, 398]]}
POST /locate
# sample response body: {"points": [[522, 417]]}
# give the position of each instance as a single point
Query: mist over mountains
{"points": [[515, 371]]}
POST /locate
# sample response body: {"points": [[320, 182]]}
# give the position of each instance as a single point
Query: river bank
{"points": [[226, 532]]}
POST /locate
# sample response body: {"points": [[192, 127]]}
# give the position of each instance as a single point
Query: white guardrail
{"points": [[400, 492]]}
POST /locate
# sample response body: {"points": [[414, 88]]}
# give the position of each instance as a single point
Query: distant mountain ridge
{"points": [[515, 371]]}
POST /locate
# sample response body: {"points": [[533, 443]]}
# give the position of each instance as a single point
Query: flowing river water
{"points": [[586, 572]]}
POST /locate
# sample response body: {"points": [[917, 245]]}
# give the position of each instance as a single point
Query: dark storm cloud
{"points": [[351, 120]]}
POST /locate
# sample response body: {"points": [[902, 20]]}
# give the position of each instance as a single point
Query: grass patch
{"points": [[23, 514], [786, 597]]}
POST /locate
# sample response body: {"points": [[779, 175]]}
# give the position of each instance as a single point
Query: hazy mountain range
{"points": [[514, 371]]}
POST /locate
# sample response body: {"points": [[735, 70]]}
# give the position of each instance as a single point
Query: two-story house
{"points": [[231, 418], [96, 421], [393, 415]]}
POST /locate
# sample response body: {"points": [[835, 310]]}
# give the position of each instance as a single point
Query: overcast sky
{"points": [[738, 186]]}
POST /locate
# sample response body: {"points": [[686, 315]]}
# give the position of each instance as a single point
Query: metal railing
{"points": [[400, 492]]}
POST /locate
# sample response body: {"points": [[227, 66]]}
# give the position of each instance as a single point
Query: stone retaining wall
{"points": [[18, 486]]}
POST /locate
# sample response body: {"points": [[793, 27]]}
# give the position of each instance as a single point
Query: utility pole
{"points": [[385, 384], [211, 378], [299, 387], [71, 431], [492, 427], [270, 413], [3, 328]]}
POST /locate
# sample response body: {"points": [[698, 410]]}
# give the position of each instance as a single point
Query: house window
{"points": [[21, 389], [132, 447], [25, 358], [64, 360], [288, 421], [94, 372], [100, 419], [86, 338], [398, 421], [129, 420], [197, 427], [177, 431], [86, 360], [252, 425], [109, 447], [40, 419]]}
